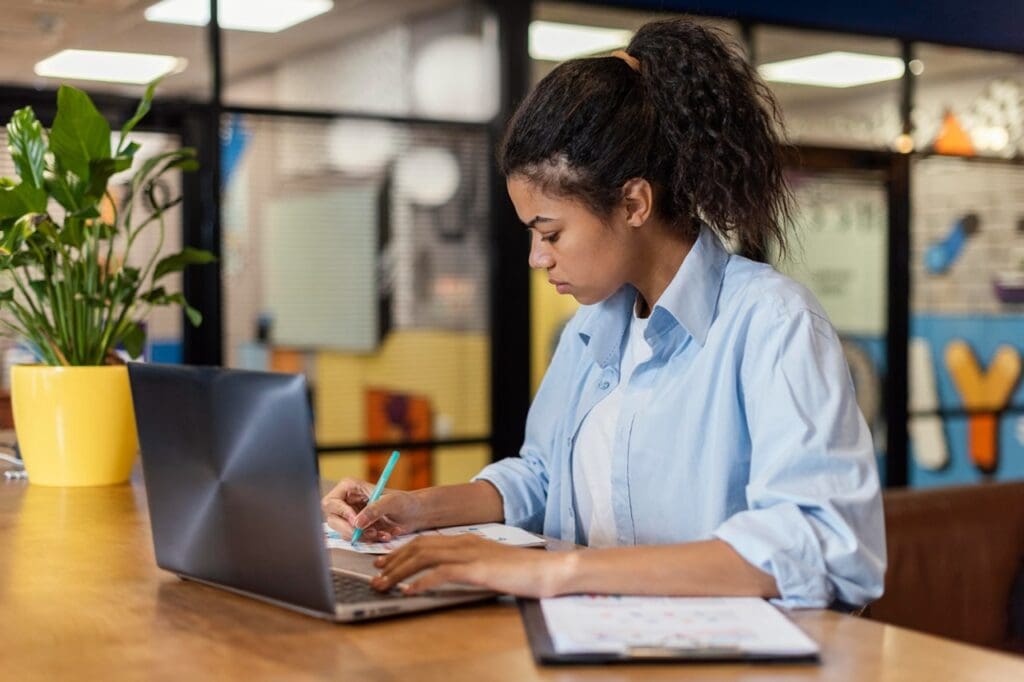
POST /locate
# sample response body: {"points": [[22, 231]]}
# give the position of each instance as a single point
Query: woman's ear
{"points": [[637, 201]]}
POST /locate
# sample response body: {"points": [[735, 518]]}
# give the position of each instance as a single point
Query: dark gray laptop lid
{"points": [[231, 476]]}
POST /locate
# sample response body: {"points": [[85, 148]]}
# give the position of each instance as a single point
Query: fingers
{"points": [[466, 574], [348, 488], [423, 553], [338, 524], [344, 500], [341, 506], [345, 530], [418, 561], [378, 514], [336, 507]]}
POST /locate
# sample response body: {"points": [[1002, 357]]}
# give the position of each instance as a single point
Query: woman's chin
{"points": [[584, 298]]}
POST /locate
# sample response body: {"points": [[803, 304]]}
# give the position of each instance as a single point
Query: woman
{"points": [[697, 422]]}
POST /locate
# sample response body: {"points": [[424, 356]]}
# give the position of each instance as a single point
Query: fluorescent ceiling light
{"points": [[834, 70], [266, 16], [556, 42], [112, 67]]}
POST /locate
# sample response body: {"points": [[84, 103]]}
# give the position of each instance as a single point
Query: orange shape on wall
{"points": [[952, 138], [287, 360], [394, 416], [985, 393]]}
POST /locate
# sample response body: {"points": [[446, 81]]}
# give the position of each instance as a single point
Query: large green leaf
{"points": [[73, 233], [159, 296], [140, 112], [179, 261], [79, 134], [124, 285], [61, 192], [20, 259], [100, 171], [129, 150], [15, 235], [67, 187], [21, 199], [194, 316], [41, 223], [28, 146], [134, 340], [41, 288]]}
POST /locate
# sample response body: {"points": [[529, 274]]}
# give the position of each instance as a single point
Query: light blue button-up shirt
{"points": [[749, 432]]}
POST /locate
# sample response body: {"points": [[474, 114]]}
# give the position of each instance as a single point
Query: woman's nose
{"points": [[540, 257]]}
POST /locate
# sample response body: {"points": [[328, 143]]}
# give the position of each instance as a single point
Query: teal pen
{"points": [[383, 481]]}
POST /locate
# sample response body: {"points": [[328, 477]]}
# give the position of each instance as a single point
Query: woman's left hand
{"points": [[472, 560]]}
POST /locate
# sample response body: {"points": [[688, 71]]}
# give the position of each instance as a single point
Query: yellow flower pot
{"points": [[75, 425]]}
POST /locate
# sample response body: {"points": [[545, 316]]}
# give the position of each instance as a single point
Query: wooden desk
{"points": [[81, 598]]}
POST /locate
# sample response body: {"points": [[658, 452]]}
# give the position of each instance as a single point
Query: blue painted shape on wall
{"points": [[960, 470], [165, 351], [984, 333]]}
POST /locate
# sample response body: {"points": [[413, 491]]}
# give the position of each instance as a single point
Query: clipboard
{"points": [[545, 653]]}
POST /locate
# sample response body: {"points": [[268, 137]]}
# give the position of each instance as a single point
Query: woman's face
{"points": [[583, 255]]}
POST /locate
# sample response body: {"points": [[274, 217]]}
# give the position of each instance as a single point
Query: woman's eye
{"points": [[550, 238]]}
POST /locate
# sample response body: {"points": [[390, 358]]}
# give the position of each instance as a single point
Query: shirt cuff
{"points": [[515, 497], [778, 542]]}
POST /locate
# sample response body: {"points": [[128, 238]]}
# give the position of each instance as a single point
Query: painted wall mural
{"points": [[966, 397], [966, 422]]}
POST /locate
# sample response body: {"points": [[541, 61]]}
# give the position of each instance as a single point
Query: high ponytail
{"points": [[695, 121]]}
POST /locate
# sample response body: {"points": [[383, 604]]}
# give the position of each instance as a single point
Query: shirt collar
{"points": [[692, 295], [690, 299]]}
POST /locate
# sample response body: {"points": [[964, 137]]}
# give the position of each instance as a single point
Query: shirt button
{"points": [[603, 385]]}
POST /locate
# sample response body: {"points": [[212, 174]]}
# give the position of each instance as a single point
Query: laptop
{"points": [[232, 483]]}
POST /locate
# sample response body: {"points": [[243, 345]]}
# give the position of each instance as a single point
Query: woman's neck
{"points": [[659, 258]]}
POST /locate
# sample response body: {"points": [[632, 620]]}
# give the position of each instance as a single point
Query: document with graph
{"points": [[597, 627], [498, 532]]}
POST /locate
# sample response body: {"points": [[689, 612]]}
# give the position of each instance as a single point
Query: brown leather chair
{"points": [[956, 563]]}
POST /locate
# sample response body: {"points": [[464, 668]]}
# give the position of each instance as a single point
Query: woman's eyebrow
{"points": [[538, 219]]}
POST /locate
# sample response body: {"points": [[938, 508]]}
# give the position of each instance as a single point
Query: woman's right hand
{"points": [[397, 512]]}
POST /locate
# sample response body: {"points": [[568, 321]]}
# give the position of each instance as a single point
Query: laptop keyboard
{"points": [[351, 590]]}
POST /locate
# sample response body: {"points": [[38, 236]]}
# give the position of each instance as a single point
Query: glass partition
{"points": [[839, 250], [434, 59], [968, 102], [966, 400], [834, 89], [355, 251]]}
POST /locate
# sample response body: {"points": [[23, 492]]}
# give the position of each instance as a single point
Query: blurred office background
{"points": [[348, 186]]}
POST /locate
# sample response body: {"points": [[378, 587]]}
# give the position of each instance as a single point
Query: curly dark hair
{"points": [[695, 121]]}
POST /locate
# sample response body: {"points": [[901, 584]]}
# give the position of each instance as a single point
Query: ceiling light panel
{"points": [[110, 67], [834, 70], [553, 41], [265, 16]]}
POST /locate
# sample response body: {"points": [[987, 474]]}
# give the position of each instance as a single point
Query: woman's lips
{"points": [[561, 287]]}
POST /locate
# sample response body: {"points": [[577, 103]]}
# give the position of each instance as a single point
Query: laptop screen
{"points": [[231, 477]]}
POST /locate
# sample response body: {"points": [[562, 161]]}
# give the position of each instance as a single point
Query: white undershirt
{"points": [[592, 456]]}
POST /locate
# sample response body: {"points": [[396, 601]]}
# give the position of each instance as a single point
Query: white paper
{"points": [[498, 532], [612, 624]]}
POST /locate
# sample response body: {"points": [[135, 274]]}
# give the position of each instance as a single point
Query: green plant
{"points": [[71, 291]]}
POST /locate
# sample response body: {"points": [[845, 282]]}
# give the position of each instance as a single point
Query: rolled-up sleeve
{"points": [[523, 481], [814, 513]]}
